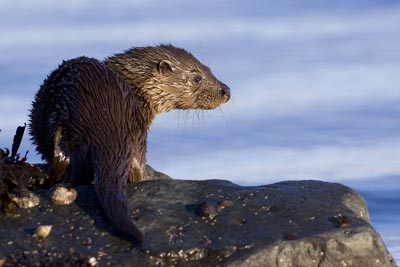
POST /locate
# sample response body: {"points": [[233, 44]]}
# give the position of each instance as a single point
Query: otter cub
{"points": [[96, 115]]}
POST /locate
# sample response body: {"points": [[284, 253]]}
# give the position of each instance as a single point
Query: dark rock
{"points": [[296, 223], [152, 174]]}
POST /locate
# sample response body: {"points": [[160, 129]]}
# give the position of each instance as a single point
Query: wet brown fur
{"points": [[103, 111]]}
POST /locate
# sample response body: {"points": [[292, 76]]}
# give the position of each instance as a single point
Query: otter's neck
{"points": [[143, 83]]}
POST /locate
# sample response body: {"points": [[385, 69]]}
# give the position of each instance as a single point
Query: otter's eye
{"points": [[197, 79]]}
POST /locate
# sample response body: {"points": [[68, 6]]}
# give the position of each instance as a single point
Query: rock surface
{"points": [[186, 223]]}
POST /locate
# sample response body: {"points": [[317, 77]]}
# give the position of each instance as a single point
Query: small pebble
{"points": [[61, 195], [225, 203], [43, 231], [93, 261], [207, 210], [24, 199]]}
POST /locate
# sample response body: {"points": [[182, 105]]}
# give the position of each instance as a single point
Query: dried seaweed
{"points": [[17, 140], [16, 174]]}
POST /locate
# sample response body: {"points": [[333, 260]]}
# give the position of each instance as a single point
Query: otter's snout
{"points": [[225, 92]]}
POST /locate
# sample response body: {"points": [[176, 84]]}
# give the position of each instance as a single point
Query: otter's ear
{"points": [[165, 67]]}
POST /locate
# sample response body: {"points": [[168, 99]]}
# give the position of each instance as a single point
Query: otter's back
{"points": [[82, 96]]}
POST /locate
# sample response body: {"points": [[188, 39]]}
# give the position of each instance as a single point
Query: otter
{"points": [[95, 116]]}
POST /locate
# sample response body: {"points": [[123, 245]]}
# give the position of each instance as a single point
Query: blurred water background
{"points": [[315, 86]]}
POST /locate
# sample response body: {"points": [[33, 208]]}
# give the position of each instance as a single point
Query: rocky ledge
{"points": [[202, 223]]}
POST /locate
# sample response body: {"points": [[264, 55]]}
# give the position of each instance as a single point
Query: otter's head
{"points": [[170, 78]]}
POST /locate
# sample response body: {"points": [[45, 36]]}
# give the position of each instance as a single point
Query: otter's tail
{"points": [[111, 194]]}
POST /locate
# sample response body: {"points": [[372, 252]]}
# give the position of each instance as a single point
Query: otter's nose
{"points": [[225, 92]]}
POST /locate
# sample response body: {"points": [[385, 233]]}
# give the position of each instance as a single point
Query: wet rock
{"points": [[46, 258], [296, 223]]}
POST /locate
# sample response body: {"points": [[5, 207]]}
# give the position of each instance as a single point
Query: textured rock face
{"points": [[206, 223]]}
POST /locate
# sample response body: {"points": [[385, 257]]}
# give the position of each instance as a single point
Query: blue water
{"points": [[383, 200], [315, 86], [384, 207]]}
